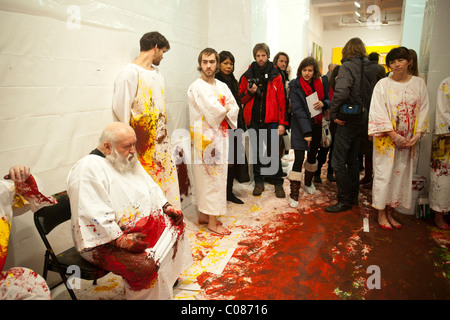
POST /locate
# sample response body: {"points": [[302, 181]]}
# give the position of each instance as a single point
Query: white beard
{"points": [[122, 164]]}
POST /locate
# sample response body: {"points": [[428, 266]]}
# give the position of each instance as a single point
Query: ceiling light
{"points": [[357, 13], [357, 4]]}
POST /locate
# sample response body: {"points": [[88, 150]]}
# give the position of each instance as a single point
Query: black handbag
{"points": [[353, 111], [350, 111]]}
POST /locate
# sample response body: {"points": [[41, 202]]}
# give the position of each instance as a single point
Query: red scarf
{"points": [[318, 86]]}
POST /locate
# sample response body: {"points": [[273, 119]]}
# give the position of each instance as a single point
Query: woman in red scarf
{"points": [[306, 131]]}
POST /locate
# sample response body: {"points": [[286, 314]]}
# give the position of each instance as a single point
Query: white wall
{"points": [[57, 84]]}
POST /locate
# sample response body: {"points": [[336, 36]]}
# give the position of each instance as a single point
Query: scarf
{"points": [[318, 86]]}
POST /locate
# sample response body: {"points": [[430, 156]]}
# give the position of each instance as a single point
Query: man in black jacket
{"points": [[347, 139]]}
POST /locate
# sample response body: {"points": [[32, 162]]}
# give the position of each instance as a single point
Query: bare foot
{"points": [[219, 230], [204, 219], [383, 221], [440, 222], [215, 226], [391, 219]]}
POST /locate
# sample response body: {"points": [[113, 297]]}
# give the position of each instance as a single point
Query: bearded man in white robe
{"points": [[212, 108], [121, 220]]}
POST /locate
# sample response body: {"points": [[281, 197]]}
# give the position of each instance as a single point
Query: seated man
{"points": [[120, 216], [20, 193]]}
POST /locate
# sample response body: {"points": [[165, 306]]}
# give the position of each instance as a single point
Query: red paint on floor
{"points": [[311, 254]]}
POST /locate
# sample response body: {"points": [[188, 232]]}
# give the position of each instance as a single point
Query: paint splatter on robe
{"points": [[17, 198], [139, 101], [402, 107], [440, 152], [106, 204], [209, 122]]}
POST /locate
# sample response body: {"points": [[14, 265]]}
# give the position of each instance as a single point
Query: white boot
{"points": [[295, 179], [311, 189]]}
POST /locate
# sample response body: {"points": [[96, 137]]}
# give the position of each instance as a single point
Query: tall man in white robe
{"points": [[211, 107], [120, 216], [139, 101]]}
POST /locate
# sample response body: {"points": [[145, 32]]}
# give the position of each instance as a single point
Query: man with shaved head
{"points": [[121, 220]]}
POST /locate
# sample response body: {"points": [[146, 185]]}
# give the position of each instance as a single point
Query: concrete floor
{"points": [[276, 252]]}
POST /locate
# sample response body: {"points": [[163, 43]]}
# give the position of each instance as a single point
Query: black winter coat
{"points": [[301, 122], [348, 85]]}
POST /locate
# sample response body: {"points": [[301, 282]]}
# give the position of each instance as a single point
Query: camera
{"points": [[253, 81]]}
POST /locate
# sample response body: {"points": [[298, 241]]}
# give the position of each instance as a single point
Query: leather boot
{"points": [[310, 169], [295, 179], [230, 180]]}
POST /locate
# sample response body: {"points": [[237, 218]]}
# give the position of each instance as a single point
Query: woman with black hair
{"points": [[398, 118], [225, 74]]}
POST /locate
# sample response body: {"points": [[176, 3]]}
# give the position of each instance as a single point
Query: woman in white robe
{"points": [[211, 107], [398, 118], [440, 157]]}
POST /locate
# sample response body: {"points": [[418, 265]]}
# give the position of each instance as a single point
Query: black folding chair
{"points": [[48, 218]]}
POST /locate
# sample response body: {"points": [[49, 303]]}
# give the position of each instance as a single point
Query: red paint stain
{"points": [[182, 171], [293, 257], [135, 268]]}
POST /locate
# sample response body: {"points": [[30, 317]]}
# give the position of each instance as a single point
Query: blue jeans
{"points": [[345, 162], [272, 152]]}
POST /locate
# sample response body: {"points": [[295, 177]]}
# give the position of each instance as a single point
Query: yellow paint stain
{"points": [[384, 145], [107, 287], [5, 230]]}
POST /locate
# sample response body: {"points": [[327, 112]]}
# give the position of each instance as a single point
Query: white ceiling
{"points": [[337, 13]]}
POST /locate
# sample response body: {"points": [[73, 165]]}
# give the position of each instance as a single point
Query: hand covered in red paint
{"points": [[400, 141], [133, 242], [414, 139], [174, 214], [18, 173]]}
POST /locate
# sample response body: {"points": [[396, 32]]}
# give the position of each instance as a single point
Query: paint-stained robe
{"points": [[139, 101], [20, 283], [209, 123], [402, 107], [440, 152], [106, 204]]}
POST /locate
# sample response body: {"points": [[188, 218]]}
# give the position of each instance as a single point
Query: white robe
{"points": [[20, 283], [402, 107], [105, 203], [140, 102], [209, 138], [440, 152]]}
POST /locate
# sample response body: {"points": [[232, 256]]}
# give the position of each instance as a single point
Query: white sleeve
{"points": [[93, 218], [232, 114], [125, 88], [442, 120], [207, 105], [379, 117], [423, 120]]}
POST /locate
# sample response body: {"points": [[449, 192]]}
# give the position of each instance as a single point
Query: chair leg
{"points": [[44, 274]]}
